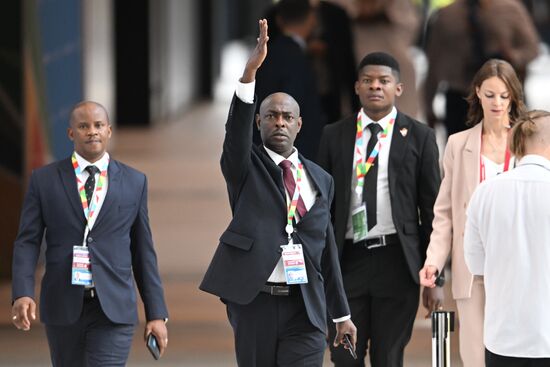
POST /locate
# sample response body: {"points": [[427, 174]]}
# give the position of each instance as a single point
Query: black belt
{"points": [[378, 241], [90, 293], [280, 290]]}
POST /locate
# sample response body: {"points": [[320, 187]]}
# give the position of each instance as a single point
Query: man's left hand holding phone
{"points": [[156, 337]]}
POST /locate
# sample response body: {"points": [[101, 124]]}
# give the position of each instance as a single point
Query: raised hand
{"points": [[258, 55]]}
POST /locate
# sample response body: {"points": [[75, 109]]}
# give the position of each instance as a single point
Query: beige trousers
{"points": [[471, 313]]}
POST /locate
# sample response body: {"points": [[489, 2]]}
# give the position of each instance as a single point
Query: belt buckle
{"points": [[381, 243], [280, 290]]}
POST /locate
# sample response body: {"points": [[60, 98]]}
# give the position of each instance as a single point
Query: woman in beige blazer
{"points": [[471, 156]]}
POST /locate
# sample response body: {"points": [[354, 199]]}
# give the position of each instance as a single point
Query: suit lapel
{"points": [[348, 146], [68, 177], [399, 141], [113, 190], [470, 157]]}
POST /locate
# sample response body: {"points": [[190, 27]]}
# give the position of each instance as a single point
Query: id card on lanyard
{"points": [[293, 253], [359, 218], [81, 272]]}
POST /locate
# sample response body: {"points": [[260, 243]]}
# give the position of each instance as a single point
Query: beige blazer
{"points": [[460, 178]]}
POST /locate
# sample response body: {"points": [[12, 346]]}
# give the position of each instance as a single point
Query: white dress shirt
{"points": [[83, 176], [308, 194], [384, 222], [507, 240]]}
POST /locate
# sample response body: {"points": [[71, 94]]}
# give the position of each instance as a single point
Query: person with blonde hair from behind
{"points": [[506, 241], [471, 157]]}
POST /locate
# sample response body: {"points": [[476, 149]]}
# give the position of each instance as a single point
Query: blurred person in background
{"points": [[460, 38], [330, 49], [287, 68], [390, 26], [471, 157]]}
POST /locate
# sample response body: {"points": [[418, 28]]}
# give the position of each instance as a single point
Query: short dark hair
{"points": [[293, 11], [380, 58]]}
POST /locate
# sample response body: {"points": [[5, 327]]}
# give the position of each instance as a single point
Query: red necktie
{"points": [[290, 186]]}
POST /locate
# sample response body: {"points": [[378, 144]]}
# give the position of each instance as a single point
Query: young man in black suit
{"points": [[277, 310], [385, 189]]}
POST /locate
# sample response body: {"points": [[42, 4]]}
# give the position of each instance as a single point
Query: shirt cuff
{"points": [[245, 91], [342, 319]]}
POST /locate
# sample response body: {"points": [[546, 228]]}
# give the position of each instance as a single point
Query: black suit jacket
{"points": [[413, 174], [120, 245], [250, 247], [287, 69]]}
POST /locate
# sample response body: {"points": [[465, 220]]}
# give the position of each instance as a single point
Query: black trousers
{"points": [[93, 341], [275, 331], [495, 360], [383, 299]]}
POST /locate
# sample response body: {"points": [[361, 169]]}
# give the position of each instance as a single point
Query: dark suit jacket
{"points": [[413, 174], [120, 244], [287, 69], [250, 247]]}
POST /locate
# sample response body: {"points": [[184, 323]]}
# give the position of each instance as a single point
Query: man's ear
{"points": [[399, 89], [70, 133], [258, 121]]}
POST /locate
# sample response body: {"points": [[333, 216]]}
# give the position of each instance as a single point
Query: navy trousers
{"points": [[93, 341]]}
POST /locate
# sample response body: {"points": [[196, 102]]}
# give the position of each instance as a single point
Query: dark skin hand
{"points": [[432, 299]]}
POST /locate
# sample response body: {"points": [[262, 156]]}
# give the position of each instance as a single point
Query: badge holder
{"points": [[293, 261], [359, 222], [81, 272]]}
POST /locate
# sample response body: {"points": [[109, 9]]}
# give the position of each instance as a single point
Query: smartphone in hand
{"points": [[153, 346], [351, 349]]}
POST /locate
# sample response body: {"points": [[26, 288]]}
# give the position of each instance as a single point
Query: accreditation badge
{"points": [[359, 222], [81, 269], [294, 264]]}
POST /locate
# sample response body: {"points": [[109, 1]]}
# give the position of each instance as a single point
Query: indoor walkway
{"points": [[188, 209]]}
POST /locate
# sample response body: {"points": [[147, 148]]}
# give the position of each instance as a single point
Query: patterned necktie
{"points": [[89, 186], [290, 186], [371, 179]]}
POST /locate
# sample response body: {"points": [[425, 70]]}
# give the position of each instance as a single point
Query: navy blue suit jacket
{"points": [[250, 247], [120, 244]]}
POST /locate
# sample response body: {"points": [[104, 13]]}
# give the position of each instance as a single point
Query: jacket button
{"points": [[90, 239]]}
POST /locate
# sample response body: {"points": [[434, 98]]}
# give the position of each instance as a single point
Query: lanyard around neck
{"points": [[507, 159], [89, 211], [294, 202], [362, 167]]}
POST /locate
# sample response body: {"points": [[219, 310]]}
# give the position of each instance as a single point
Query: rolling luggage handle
{"points": [[443, 323]]}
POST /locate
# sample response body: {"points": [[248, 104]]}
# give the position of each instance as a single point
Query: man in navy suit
{"points": [[93, 212], [276, 266]]}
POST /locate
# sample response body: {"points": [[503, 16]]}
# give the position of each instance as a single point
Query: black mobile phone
{"points": [[351, 349], [153, 346]]}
